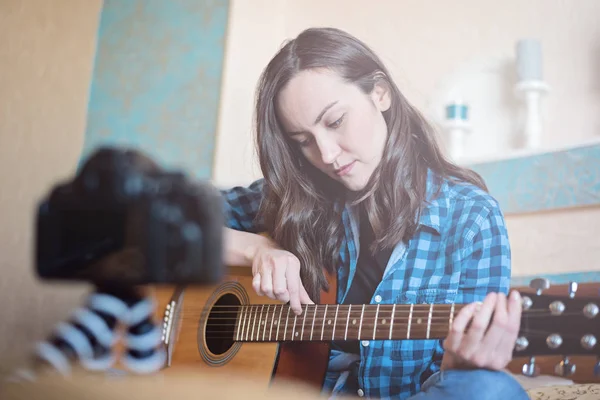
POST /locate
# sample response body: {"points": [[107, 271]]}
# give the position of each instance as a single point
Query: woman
{"points": [[355, 183]]}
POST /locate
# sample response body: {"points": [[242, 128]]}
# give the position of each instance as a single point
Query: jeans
{"points": [[454, 384], [478, 384]]}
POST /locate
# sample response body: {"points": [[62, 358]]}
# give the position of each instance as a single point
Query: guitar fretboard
{"points": [[326, 322]]}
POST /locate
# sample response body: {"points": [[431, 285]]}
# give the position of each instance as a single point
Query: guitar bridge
{"points": [[171, 323]]}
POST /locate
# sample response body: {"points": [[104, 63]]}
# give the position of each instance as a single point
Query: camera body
{"points": [[122, 220]]}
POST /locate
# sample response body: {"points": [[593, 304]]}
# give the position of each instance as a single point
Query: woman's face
{"points": [[339, 128]]}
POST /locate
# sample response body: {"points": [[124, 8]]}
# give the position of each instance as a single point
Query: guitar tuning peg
{"points": [[531, 369], [565, 368], [572, 289], [539, 284]]}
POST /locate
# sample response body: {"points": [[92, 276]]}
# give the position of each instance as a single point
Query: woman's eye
{"points": [[336, 124], [305, 142]]}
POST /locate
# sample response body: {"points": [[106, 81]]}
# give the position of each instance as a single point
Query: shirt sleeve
{"points": [[241, 205], [485, 257]]}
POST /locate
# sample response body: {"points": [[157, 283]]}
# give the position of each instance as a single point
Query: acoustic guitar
{"points": [[230, 330]]}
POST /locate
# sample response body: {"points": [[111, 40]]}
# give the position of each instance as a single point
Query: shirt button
{"points": [[378, 299], [365, 343], [360, 393]]}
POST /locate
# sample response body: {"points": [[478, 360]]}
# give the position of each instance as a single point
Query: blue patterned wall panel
{"points": [[568, 178], [558, 278], [157, 80]]}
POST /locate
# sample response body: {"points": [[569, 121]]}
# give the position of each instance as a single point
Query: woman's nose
{"points": [[329, 149]]}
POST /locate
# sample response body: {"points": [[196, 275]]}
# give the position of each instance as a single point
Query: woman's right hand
{"points": [[276, 275]]}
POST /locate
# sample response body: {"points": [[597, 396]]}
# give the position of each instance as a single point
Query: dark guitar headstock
{"points": [[562, 325]]}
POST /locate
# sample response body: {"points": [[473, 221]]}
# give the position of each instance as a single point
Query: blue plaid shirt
{"points": [[459, 254]]}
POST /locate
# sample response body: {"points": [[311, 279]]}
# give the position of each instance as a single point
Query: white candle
{"points": [[529, 60]]}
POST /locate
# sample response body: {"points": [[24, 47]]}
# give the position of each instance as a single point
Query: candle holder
{"points": [[530, 88], [458, 127], [531, 92]]}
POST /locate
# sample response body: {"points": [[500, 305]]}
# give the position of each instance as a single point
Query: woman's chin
{"points": [[354, 185]]}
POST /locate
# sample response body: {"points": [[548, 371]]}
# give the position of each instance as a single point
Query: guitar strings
{"points": [[343, 317], [534, 332], [401, 306], [345, 312], [254, 309], [365, 326], [340, 336], [416, 329], [329, 328], [253, 314]]}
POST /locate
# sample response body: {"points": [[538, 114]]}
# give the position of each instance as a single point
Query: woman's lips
{"points": [[345, 169]]}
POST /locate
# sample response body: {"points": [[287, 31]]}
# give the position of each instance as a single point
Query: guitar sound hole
{"points": [[220, 325]]}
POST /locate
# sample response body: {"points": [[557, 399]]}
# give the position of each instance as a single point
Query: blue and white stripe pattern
{"points": [[459, 254], [90, 334], [145, 353]]}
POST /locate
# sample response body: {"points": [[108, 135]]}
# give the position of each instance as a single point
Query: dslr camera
{"points": [[122, 220]]}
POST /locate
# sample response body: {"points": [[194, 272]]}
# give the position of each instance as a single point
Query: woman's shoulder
{"points": [[459, 192], [466, 205]]}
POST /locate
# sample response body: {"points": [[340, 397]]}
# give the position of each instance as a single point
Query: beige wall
{"points": [[46, 55], [255, 32], [555, 242]]}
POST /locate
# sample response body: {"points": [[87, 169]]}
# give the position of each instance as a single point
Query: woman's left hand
{"points": [[490, 340]]}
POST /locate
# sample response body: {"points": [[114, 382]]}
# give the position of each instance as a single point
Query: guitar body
{"points": [[189, 333]]}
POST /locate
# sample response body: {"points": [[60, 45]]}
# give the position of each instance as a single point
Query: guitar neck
{"points": [[326, 322]]}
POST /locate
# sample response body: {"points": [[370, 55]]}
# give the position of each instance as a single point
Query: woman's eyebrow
{"points": [[319, 117]]}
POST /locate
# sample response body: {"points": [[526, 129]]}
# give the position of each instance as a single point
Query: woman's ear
{"points": [[381, 93]]}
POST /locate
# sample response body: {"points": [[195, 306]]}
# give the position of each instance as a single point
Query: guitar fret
{"points": [[246, 310], [409, 321], [353, 330], [313, 322], [429, 320], [294, 327], [279, 323], [287, 317], [248, 315], [335, 321], [259, 320], [272, 322], [265, 323], [239, 324], [324, 317], [392, 320], [250, 320], [375, 326], [451, 317], [249, 324], [303, 322], [347, 321], [361, 321], [254, 324], [241, 333], [329, 324]]}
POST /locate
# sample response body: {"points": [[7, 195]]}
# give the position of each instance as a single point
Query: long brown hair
{"points": [[302, 206]]}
